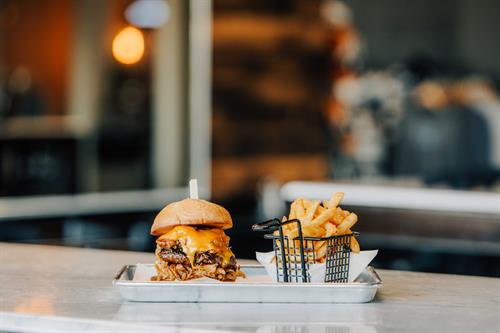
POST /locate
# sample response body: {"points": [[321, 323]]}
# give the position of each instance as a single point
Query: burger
{"points": [[192, 242]]}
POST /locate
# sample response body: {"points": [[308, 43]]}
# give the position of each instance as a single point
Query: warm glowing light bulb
{"points": [[128, 46]]}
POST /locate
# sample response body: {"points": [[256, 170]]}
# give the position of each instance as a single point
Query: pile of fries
{"points": [[321, 219]]}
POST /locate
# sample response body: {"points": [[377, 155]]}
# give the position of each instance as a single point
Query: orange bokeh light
{"points": [[128, 46]]}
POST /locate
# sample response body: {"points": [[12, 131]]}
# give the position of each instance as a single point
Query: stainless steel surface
{"points": [[390, 194], [363, 290], [64, 289]]}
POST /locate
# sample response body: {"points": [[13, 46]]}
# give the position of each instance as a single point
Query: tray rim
{"points": [[118, 281]]}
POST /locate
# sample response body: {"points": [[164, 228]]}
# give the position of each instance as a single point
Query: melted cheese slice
{"points": [[200, 240]]}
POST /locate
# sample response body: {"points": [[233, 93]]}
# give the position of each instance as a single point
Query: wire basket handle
{"points": [[272, 225], [277, 224]]}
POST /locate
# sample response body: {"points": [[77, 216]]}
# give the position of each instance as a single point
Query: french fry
{"points": [[312, 211], [354, 245], [313, 232], [318, 219], [330, 229], [338, 217], [293, 213], [347, 223], [319, 244], [286, 227], [307, 205], [300, 211], [324, 217], [292, 233], [335, 200], [297, 210], [320, 251], [319, 211]]}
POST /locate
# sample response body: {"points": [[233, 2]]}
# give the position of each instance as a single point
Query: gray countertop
{"points": [[59, 289]]}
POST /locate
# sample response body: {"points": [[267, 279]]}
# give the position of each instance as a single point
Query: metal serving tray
{"points": [[257, 288]]}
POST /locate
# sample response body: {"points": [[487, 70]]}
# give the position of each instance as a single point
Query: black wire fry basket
{"points": [[294, 257]]}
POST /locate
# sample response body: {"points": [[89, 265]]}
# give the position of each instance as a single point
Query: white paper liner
{"points": [[357, 263]]}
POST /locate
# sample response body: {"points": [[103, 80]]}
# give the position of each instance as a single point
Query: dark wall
{"points": [[455, 32]]}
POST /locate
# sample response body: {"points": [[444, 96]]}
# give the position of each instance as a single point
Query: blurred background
{"points": [[108, 108]]}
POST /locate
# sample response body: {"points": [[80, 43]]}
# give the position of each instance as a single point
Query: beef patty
{"points": [[174, 254]]}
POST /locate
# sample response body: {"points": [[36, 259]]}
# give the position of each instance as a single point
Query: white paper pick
{"points": [[193, 188], [357, 263]]}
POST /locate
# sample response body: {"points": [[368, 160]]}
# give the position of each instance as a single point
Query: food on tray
{"points": [[321, 219], [192, 242]]}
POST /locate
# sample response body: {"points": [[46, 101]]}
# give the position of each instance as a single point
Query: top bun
{"points": [[193, 212]]}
